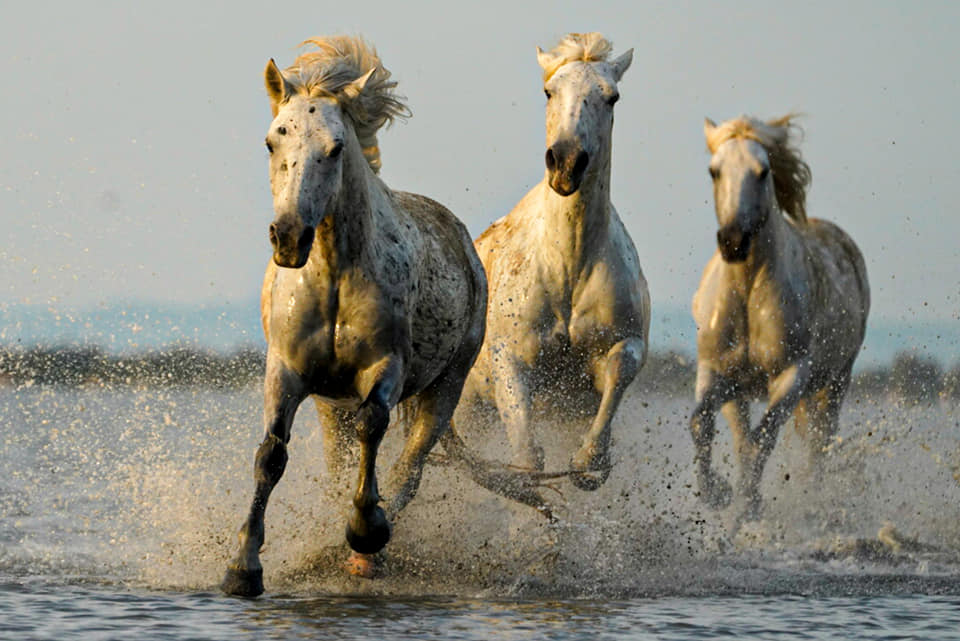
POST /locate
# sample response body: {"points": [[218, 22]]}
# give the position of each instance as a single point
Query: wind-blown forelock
{"points": [[337, 62], [791, 175], [577, 47]]}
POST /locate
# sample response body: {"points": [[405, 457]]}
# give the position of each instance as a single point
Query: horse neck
{"points": [[577, 224], [343, 236]]}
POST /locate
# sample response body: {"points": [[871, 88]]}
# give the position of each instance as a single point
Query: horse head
{"points": [[305, 141], [581, 89], [755, 171]]}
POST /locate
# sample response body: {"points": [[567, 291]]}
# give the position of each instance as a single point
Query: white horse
{"points": [[781, 309], [569, 307], [373, 296]]}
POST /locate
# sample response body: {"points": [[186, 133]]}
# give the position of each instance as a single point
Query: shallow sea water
{"points": [[118, 512]]}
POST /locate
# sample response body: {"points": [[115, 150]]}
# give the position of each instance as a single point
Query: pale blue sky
{"points": [[133, 167]]}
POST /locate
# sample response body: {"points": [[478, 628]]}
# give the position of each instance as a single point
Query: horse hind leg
{"points": [[592, 461], [826, 423], [283, 391], [737, 414], [339, 437], [785, 392]]}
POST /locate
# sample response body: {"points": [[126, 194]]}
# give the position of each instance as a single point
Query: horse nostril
{"points": [[580, 164], [306, 240], [273, 234], [551, 160]]}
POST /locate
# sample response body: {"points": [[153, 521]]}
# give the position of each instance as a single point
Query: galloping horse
{"points": [[781, 308], [569, 308], [373, 296]]}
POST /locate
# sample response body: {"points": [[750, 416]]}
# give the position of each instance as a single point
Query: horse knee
{"points": [[271, 460], [372, 420], [625, 360]]}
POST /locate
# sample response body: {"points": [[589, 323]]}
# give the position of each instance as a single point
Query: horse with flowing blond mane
{"points": [[781, 309], [374, 297], [569, 309]]}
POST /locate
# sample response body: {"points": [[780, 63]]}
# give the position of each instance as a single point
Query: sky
{"points": [[133, 166]]}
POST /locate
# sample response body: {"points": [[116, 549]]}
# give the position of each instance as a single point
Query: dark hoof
{"points": [[592, 468], [590, 481], [368, 531], [715, 491], [247, 583]]}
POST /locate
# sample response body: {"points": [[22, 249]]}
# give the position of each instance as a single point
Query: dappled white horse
{"points": [[373, 296], [569, 308], [781, 309]]}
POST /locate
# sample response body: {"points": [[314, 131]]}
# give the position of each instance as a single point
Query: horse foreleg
{"points": [[283, 391], [367, 527], [713, 391], [513, 404], [785, 391], [620, 367]]}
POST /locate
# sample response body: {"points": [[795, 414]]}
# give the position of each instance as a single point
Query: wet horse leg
{"points": [[339, 436], [283, 391], [367, 527], [737, 413], [434, 409], [713, 390], [620, 366], [826, 421], [513, 404], [785, 391]]}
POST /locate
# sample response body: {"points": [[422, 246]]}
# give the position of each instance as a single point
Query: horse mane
{"points": [[779, 137], [577, 47], [338, 61]]}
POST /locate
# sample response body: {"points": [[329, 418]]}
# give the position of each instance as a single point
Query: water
{"points": [[119, 506]]}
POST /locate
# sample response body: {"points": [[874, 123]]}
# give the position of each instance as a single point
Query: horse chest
{"points": [[325, 339]]}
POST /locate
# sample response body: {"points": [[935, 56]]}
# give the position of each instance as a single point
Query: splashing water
{"points": [[145, 487]]}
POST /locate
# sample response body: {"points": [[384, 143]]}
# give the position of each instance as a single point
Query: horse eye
{"points": [[337, 148], [714, 172], [546, 92], [612, 100], [764, 172], [269, 146]]}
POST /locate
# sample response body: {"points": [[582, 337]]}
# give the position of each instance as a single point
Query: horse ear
{"points": [[279, 88], [353, 90], [621, 64], [708, 127], [544, 59]]}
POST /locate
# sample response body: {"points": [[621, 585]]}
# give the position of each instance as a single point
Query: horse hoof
{"points": [[590, 481], [360, 565], [246, 583], [591, 465], [368, 531]]}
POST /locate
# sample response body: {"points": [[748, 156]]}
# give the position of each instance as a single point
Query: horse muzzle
{"points": [[566, 166], [291, 244], [734, 243]]}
